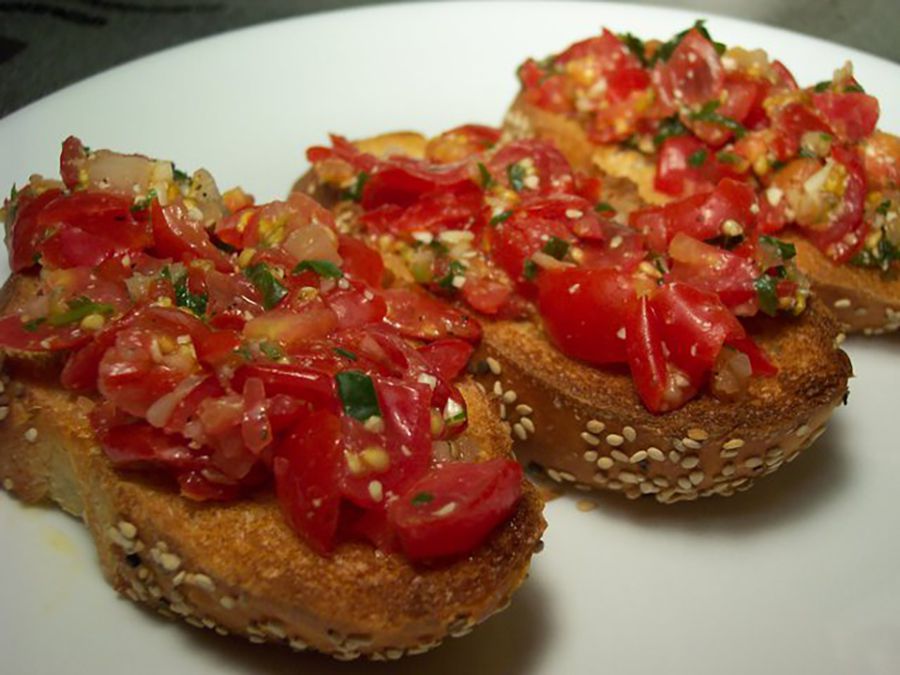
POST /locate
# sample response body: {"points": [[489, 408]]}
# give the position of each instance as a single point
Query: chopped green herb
{"points": [[196, 302], [144, 204], [244, 352], [500, 217], [486, 179], [179, 175], [78, 309], [855, 88], [604, 207], [668, 127], [883, 207], [530, 270], [777, 165], [707, 113], [881, 256], [516, 174], [698, 158], [357, 393], [34, 324], [271, 289], [635, 46], [807, 153], [456, 269], [785, 249], [323, 268], [354, 192], [766, 291], [728, 157], [422, 498], [664, 53], [822, 86], [271, 350], [346, 353], [556, 248], [439, 248]]}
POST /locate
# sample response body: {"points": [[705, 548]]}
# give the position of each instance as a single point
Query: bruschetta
{"points": [[676, 117], [210, 385], [661, 365]]}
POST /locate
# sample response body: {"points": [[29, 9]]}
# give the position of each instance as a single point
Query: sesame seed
{"points": [[179, 578], [509, 396], [674, 456], [4, 412], [638, 457], [494, 365], [169, 561], [590, 456], [523, 409], [586, 505], [573, 214], [31, 434], [802, 430], [298, 645], [376, 491], [648, 488], [685, 483], [519, 431], [629, 478], [656, 454], [690, 462], [615, 440], [696, 477], [728, 469], [619, 456], [201, 581], [733, 444], [753, 462], [8, 484], [128, 530], [774, 462], [589, 438], [528, 424], [595, 426], [842, 303], [697, 434], [227, 602], [502, 411], [661, 481], [498, 388], [621, 333], [554, 474], [690, 443], [566, 476], [605, 463], [629, 433]]}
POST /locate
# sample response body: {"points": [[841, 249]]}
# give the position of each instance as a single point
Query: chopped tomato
{"points": [[881, 155], [298, 382], [457, 208], [486, 295], [70, 160], [416, 314], [693, 74], [647, 361], [853, 116], [531, 165], [461, 143], [454, 507], [360, 261], [585, 312], [717, 270], [26, 233], [448, 358], [179, 237]]}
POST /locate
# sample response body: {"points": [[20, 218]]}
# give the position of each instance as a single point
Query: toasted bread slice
{"points": [[587, 426], [237, 567], [863, 300]]}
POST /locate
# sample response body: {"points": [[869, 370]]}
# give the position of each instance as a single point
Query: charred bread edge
{"points": [[863, 300], [160, 550]]}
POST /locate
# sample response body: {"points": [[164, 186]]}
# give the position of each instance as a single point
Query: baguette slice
{"points": [[863, 300], [587, 426], [237, 567]]}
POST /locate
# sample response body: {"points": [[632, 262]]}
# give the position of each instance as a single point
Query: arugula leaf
{"points": [[346, 353], [516, 174], [500, 217], [357, 393], [196, 302], [354, 192], [668, 127], [271, 289], [323, 268], [79, 308], [785, 249], [766, 291], [486, 179], [556, 248], [530, 270], [708, 113], [698, 158]]}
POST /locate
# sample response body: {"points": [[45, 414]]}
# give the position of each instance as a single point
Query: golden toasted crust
{"points": [[867, 300], [237, 567], [587, 426]]}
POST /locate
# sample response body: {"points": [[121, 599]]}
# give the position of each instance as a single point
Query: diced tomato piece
{"points": [[101, 214], [177, 236], [461, 143], [356, 306], [299, 382], [26, 233], [646, 358], [360, 261], [455, 506], [717, 270], [458, 208], [553, 173], [585, 312], [71, 158], [306, 468], [73, 247], [853, 116], [417, 314], [448, 358], [693, 74], [485, 295]]}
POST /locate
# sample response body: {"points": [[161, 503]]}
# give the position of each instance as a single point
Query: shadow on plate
{"points": [[507, 643], [790, 494]]}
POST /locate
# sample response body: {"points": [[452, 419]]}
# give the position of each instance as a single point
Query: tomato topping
{"points": [[455, 507], [486, 295], [26, 233], [416, 314], [693, 74], [647, 360], [360, 261], [460, 143], [853, 116], [179, 237], [448, 358]]}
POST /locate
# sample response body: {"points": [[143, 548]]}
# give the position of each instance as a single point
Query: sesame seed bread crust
{"points": [[237, 567], [867, 300], [587, 426]]}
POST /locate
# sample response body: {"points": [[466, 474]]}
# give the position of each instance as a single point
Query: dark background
{"points": [[48, 44]]}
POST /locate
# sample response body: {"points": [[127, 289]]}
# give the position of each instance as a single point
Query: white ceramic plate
{"points": [[801, 574]]}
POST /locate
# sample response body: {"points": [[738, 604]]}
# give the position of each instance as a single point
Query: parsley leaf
{"points": [[500, 217], [530, 270], [785, 249], [766, 292], [516, 174], [728, 157], [354, 192], [421, 499], [883, 207], [635, 46], [34, 324], [486, 179], [79, 308], [179, 175], [144, 204], [357, 394], [346, 353], [668, 127], [664, 53], [323, 268], [604, 207], [271, 350], [698, 158], [456, 269], [271, 289], [708, 113], [556, 248], [196, 302]]}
